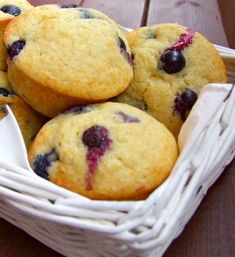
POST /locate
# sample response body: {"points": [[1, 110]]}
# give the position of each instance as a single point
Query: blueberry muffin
{"points": [[29, 120], [94, 150], [59, 57], [171, 64], [9, 9]]}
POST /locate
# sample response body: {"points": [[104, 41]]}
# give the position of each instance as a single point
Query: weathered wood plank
{"points": [[41, 2], [227, 8], [22, 245], [127, 13], [200, 15]]}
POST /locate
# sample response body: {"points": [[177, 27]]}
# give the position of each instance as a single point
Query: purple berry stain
{"points": [[43, 162], [185, 40], [126, 118], [124, 52], [97, 139], [11, 9], [14, 49], [184, 102]]}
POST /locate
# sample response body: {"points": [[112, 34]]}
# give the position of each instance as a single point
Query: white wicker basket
{"points": [[76, 226]]}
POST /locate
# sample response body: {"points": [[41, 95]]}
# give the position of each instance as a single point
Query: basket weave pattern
{"points": [[76, 226]]}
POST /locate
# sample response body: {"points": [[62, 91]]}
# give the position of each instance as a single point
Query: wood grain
{"points": [[201, 15], [227, 8], [127, 13], [16, 243]]}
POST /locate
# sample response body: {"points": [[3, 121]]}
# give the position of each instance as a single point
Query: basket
{"points": [[78, 227]]}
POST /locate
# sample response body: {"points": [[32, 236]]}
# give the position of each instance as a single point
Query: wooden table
{"points": [[210, 233]]}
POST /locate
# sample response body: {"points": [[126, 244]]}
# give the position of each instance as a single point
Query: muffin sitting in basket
{"points": [[59, 57], [108, 151], [171, 64]]}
